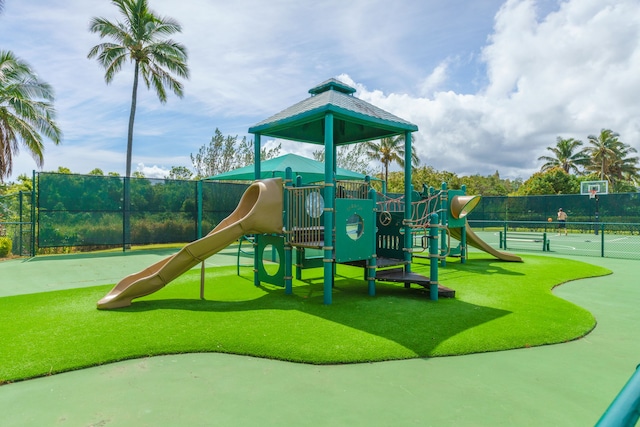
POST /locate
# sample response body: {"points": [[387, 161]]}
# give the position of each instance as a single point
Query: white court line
{"points": [[573, 248], [617, 240]]}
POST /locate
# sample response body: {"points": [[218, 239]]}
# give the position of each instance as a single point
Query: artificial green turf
{"points": [[498, 306]]}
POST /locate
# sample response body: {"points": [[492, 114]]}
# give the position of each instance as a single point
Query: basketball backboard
{"points": [[592, 188]]}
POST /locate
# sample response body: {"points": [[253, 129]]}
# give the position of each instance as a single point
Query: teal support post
{"points": [[199, 203], [408, 190], [299, 255], [288, 269], [256, 165], [444, 209], [33, 214], [299, 251], [286, 220], [624, 411], [433, 257], [371, 262], [329, 206], [463, 235]]}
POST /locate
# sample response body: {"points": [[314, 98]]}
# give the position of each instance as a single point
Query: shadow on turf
{"points": [[404, 316]]}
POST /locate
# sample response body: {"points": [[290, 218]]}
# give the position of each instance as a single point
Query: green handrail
{"points": [[624, 411]]}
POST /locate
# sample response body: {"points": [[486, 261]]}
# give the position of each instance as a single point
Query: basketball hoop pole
{"points": [[594, 195], [594, 189]]}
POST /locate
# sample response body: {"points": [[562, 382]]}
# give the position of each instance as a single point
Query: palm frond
{"points": [[26, 112]]}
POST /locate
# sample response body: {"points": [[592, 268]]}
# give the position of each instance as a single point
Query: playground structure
{"points": [[291, 220], [343, 220]]}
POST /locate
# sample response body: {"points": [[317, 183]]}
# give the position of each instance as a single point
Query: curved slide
{"points": [[259, 211], [478, 243]]}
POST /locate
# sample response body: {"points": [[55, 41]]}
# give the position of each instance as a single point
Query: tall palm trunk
{"points": [[132, 116], [386, 171], [127, 179]]}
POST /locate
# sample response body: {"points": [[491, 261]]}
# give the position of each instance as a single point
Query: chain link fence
{"points": [[16, 222], [88, 210], [605, 226]]}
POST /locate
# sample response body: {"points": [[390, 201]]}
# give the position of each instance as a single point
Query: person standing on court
{"points": [[562, 221]]}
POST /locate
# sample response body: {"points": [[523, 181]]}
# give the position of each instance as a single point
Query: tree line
{"points": [[606, 158]]}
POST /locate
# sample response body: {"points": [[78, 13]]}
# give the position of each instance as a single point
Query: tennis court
{"points": [[612, 243]]}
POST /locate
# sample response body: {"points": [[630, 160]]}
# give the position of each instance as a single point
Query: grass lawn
{"points": [[498, 306]]}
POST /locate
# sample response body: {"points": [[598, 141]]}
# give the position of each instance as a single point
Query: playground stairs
{"points": [[398, 275]]}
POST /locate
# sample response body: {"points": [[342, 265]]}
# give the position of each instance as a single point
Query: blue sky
{"points": [[490, 83]]}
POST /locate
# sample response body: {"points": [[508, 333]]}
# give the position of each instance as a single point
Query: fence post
{"points": [[126, 206], [199, 203], [505, 235], [33, 214], [601, 239], [20, 218]]}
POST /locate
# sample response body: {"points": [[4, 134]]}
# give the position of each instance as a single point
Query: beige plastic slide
{"points": [[259, 211], [474, 240]]}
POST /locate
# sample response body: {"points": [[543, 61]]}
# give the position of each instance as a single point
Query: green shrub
{"points": [[5, 247]]}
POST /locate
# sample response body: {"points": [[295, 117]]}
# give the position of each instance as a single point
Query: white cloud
{"points": [[569, 73], [152, 171], [490, 84], [435, 80]]}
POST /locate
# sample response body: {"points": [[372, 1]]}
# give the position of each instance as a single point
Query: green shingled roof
{"points": [[355, 120]]}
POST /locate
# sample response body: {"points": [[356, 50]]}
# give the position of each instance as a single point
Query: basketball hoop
{"points": [[592, 193]]}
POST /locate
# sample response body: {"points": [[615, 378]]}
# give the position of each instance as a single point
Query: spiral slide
{"points": [[259, 211], [474, 240]]}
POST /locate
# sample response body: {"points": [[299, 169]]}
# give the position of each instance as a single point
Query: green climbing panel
{"points": [[271, 259], [355, 230]]}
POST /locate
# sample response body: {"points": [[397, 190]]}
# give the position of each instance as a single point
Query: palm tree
{"points": [[602, 151], [390, 150], [609, 157], [26, 112], [140, 39], [565, 156], [624, 169]]}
